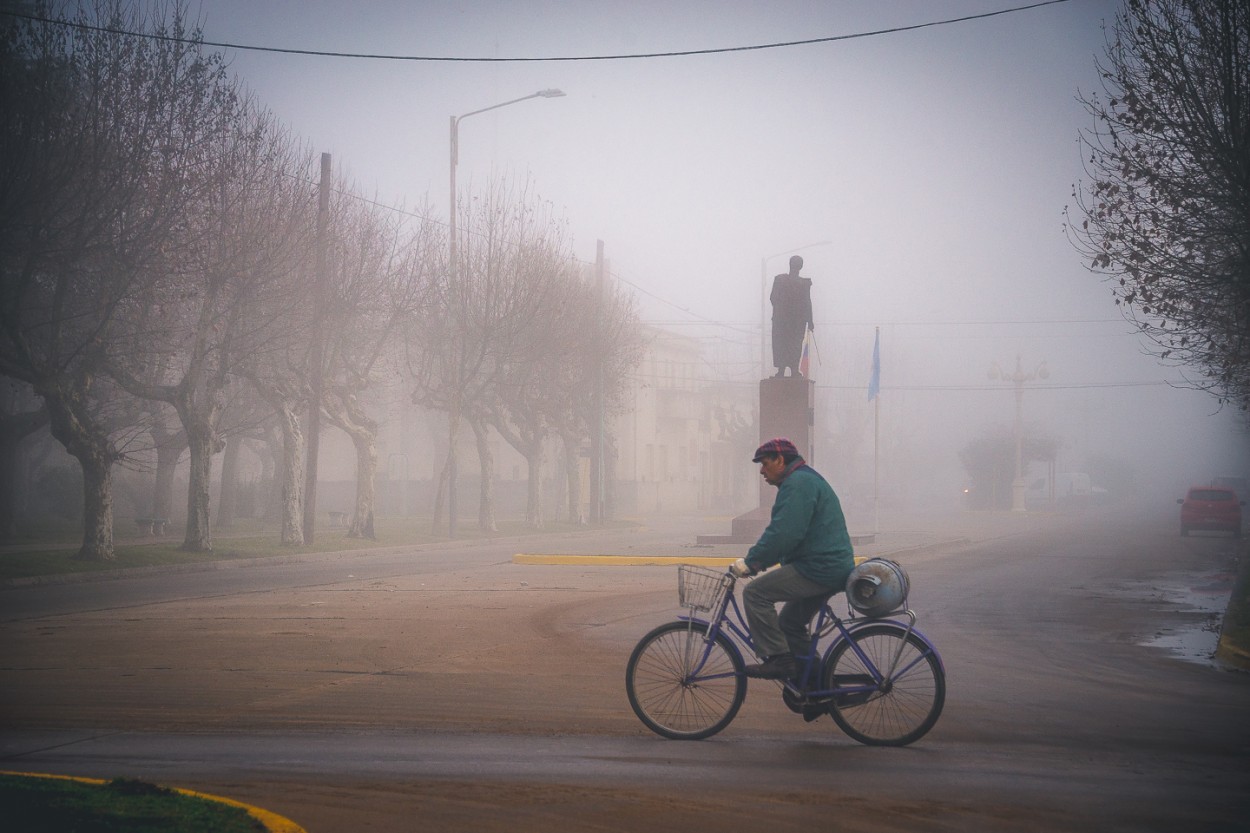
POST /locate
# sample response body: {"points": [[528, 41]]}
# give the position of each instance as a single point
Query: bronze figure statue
{"points": [[792, 317]]}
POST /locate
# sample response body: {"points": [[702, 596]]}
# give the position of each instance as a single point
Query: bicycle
{"points": [[881, 680]]}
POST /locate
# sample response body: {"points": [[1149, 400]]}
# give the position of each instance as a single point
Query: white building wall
{"points": [[674, 449]]}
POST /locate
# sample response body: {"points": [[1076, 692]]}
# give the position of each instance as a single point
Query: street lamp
{"points": [[764, 299], [1019, 378], [457, 296]]}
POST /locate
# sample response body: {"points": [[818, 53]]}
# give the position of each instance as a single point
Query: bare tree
{"points": [[1165, 216], [462, 351], [603, 347], [532, 333], [288, 396], [228, 300], [517, 262], [96, 149], [381, 277]]}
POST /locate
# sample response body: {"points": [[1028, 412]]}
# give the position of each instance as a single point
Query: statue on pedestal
{"points": [[792, 317]]}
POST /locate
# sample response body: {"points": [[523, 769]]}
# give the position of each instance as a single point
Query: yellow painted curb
{"points": [[1233, 654], [624, 560], [273, 822]]}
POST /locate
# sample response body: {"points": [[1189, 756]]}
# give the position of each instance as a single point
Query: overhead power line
{"points": [[467, 59]]}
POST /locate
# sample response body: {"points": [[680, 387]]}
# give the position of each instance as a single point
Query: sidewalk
{"points": [[690, 538]]}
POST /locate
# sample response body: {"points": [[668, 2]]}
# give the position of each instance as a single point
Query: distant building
{"points": [[684, 443]]}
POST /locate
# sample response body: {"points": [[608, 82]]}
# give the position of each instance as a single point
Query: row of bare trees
{"points": [[170, 280], [529, 334], [1165, 214]]}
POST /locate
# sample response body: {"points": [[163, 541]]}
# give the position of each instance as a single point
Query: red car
{"points": [[1211, 507]]}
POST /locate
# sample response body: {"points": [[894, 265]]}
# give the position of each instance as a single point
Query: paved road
{"points": [[451, 689]]}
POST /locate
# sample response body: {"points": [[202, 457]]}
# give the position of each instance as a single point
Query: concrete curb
{"points": [[1227, 650], [272, 822], [1232, 654], [622, 560], [210, 565]]}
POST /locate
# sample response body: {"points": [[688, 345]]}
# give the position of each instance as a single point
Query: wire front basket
{"points": [[699, 588]]}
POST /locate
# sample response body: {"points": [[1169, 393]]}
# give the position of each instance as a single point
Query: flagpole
{"points": [[876, 445]]}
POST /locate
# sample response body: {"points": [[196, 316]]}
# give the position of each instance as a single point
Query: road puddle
{"points": [[1194, 605]]}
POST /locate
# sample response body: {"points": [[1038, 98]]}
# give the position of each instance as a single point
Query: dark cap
{"points": [[780, 446]]}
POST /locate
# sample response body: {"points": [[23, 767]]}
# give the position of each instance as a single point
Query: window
{"points": [[1210, 494]]}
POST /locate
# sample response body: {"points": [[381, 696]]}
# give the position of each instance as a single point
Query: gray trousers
{"points": [[774, 634]]}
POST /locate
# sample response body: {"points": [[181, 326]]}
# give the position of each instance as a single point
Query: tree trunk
{"points": [[169, 448], [343, 411], [97, 488], [534, 492], [486, 492], [366, 472], [226, 490], [443, 477], [530, 446], [271, 475], [199, 536], [75, 428], [573, 479], [292, 506], [163, 483], [609, 477]]}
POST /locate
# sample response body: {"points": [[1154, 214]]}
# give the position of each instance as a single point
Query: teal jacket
{"points": [[807, 530]]}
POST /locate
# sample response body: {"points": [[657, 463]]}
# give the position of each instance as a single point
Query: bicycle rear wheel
{"points": [[905, 706], [675, 696]]}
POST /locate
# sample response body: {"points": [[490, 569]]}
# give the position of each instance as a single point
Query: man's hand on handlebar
{"points": [[741, 569]]}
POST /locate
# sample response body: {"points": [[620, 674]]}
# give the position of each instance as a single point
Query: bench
{"points": [[338, 518], [152, 526]]}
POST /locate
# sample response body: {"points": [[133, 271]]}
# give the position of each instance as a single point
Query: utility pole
{"points": [[596, 430], [457, 320], [1019, 378], [318, 349]]}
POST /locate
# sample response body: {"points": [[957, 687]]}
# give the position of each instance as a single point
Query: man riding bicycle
{"points": [[807, 536]]}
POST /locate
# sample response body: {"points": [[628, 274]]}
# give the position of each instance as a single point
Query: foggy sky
{"points": [[937, 162]]}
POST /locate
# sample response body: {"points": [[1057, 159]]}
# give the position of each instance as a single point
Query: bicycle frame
{"points": [[729, 619]]}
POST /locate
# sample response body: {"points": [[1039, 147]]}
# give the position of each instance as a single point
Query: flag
{"points": [[805, 358], [874, 382]]}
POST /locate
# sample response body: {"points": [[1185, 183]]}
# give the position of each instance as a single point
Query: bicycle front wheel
{"points": [[904, 706], [683, 687]]}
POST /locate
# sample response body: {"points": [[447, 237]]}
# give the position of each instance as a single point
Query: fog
{"points": [[935, 162]]}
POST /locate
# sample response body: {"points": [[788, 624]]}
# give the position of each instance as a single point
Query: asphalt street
{"points": [[448, 688]]}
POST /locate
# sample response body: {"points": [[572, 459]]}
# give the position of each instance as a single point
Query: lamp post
{"points": [[458, 299], [1019, 378], [764, 299]]}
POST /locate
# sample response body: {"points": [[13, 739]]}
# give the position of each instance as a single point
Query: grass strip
{"points": [[54, 557], [36, 804]]}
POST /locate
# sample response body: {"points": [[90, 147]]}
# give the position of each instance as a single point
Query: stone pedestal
{"points": [[787, 409]]}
